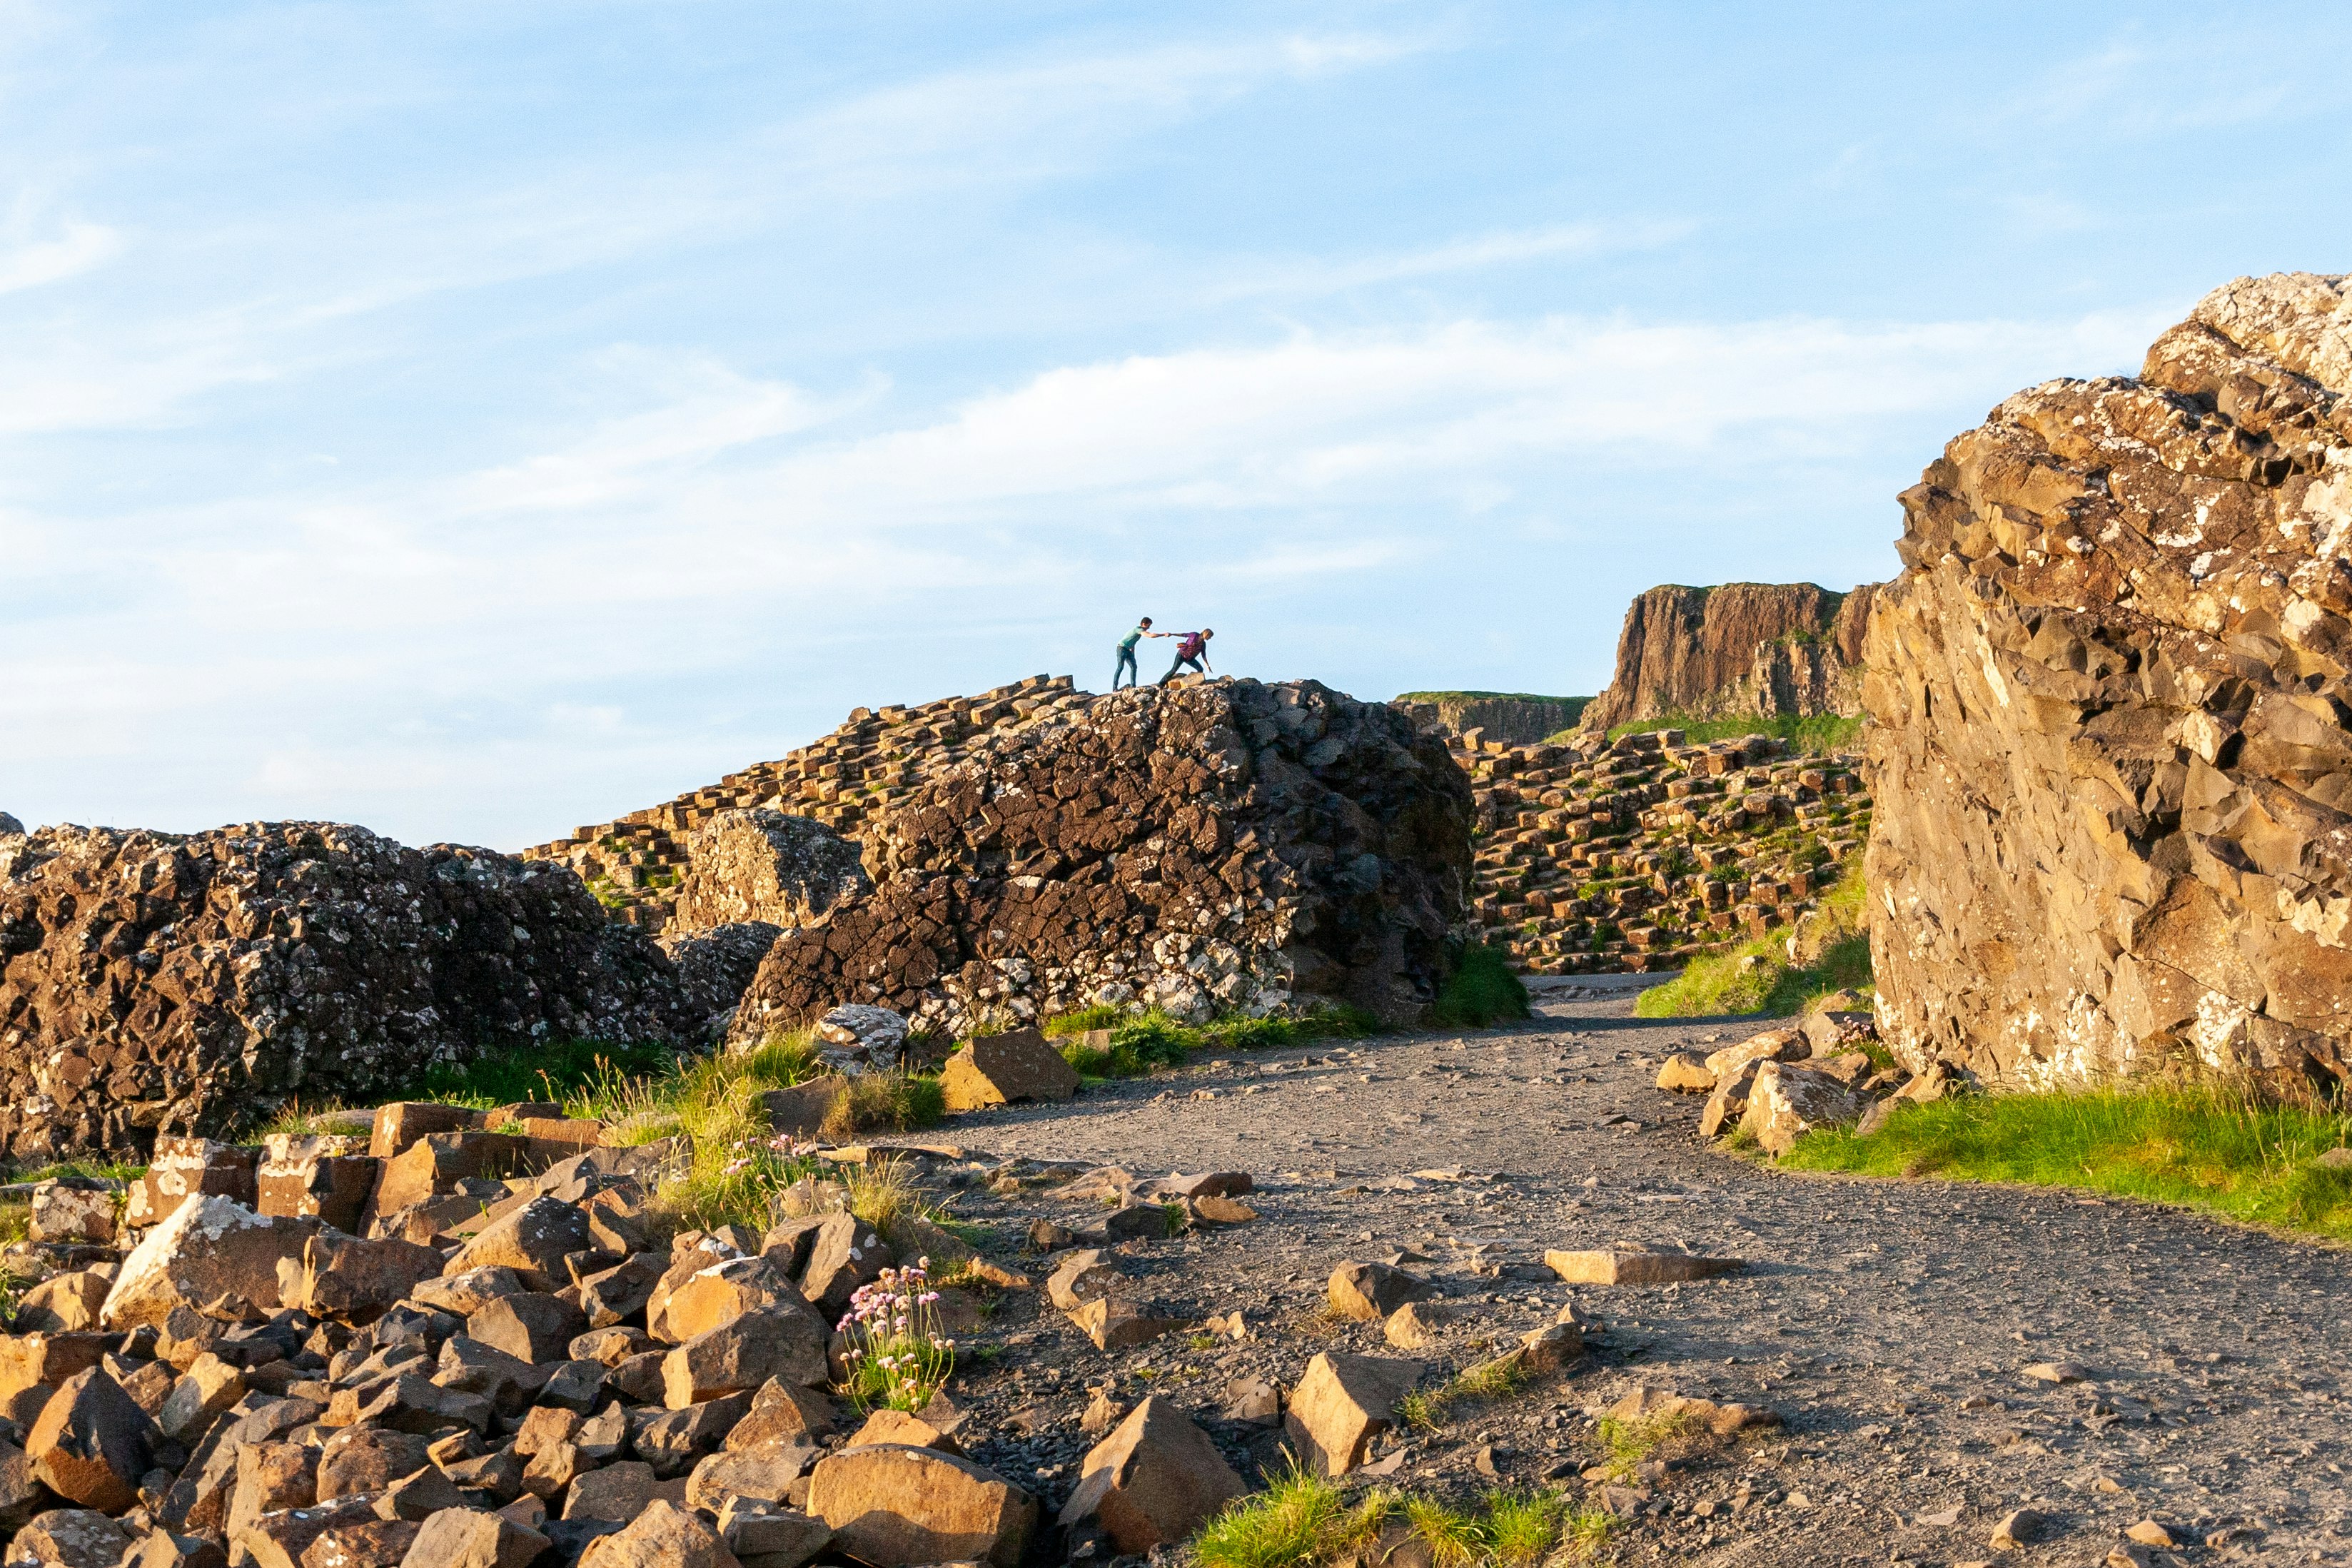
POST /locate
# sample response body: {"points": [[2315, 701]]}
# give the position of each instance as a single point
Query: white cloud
{"points": [[1505, 248], [75, 248]]}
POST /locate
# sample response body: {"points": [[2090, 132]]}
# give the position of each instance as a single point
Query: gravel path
{"points": [[1889, 1324]]}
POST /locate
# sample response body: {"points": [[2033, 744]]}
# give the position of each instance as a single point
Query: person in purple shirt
{"points": [[1192, 648]]}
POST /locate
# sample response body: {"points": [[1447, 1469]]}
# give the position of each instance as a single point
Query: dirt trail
{"points": [[1888, 1323]]}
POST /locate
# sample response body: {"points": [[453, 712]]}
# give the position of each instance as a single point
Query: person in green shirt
{"points": [[1127, 652]]}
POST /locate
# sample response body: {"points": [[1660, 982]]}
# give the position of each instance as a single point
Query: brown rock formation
{"points": [[1227, 844], [180, 983], [2111, 741], [767, 866], [846, 781], [1744, 648], [1514, 718]]}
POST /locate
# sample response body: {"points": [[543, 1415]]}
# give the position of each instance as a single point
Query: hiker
{"points": [[1192, 648], [1127, 653]]}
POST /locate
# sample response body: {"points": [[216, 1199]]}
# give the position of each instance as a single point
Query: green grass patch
{"points": [[1760, 976], [1818, 734], [1482, 991], [1430, 1408], [2204, 1147], [887, 1103], [1628, 1443], [1142, 1041], [1298, 1521], [555, 1071]]}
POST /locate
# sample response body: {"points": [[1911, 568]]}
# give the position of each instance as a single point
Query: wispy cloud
{"points": [[1505, 248], [73, 248]]}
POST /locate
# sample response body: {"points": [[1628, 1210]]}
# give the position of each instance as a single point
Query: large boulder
{"points": [[767, 866], [893, 1506], [159, 982], [1000, 1068], [1229, 844], [1153, 1481], [2109, 695], [1342, 1403], [213, 1255]]}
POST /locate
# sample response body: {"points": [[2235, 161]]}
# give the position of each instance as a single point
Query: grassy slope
{"points": [[1838, 959], [2202, 1146]]}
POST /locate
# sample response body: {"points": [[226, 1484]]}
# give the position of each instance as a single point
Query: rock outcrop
{"points": [[1650, 853], [764, 865], [847, 780], [2112, 695], [1514, 718], [1742, 649], [157, 982], [1227, 844]]}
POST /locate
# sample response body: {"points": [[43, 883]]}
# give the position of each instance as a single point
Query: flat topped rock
{"points": [[1626, 1266]]}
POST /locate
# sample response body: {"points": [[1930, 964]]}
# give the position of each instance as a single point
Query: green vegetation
{"points": [[1629, 1442], [1575, 705], [1302, 1521], [2202, 1145], [886, 1103], [1482, 991], [1819, 733], [1142, 1041], [556, 1071], [1760, 976], [1487, 1380]]}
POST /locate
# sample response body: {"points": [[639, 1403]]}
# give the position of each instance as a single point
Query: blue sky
{"points": [[474, 419]]}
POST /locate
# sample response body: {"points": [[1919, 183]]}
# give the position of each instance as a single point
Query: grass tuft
{"points": [[554, 1071], [886, 1103], [1429, 1409], [1454, 1537], [1629, 1442], [1483, 990], [1140, 1042], [1300, 1519], [2203, 1145]]}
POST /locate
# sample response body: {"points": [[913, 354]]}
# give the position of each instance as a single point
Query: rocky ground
{"points": [[1892, 1326]]}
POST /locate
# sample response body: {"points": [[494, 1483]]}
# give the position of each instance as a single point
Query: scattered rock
{"points": [[1368, 1291], [1342, 1404], [1625, 1266], [2020, 1527], [1685, 1074], [1003, 1069], [91, 1444], [896, 1507], [1785, 1102], [1152, 1482]]}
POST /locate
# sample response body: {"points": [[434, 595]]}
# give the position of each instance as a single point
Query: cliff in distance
{"points": [[1744, 649], [1515, 718]]}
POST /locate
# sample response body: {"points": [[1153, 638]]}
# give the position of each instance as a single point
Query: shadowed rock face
{"points": [[1745, 648], [187, 984], [1514, 720], [2111, 752], [1223, 845]]}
